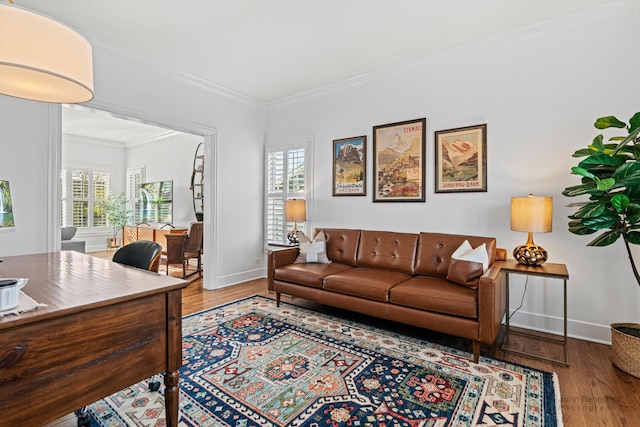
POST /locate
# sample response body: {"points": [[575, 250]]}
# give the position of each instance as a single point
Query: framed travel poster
{"points": [[461, 159], [398, 161], [350, 166], [6, 207]]}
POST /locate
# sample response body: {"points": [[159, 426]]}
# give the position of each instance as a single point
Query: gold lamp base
{"points": [[530, 253], [294, 235]]}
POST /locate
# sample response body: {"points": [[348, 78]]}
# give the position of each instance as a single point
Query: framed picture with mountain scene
{"points": [[398, 161], [350, 166], [6, 207], [461, 159]]}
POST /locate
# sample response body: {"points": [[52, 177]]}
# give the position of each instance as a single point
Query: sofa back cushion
{"points": [[435, 249], [342, 244], [388, 250]]}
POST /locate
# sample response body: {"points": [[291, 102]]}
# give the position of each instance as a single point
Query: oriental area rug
{"points": [[250, 363]]}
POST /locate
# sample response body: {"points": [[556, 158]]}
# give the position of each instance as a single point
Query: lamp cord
{"points": [[521, 301]]}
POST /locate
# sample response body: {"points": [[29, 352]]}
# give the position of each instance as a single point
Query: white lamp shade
{"points": [[295, 210], [532, 214], [43, 60]]}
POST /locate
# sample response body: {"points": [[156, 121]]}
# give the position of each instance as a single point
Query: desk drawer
{"points": [[88, 354]]}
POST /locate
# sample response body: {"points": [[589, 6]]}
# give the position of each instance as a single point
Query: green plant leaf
{"points": [[597, 144], [634, 122], [605, 239], [589, 210], [584, 152], [633, 237], [606, 220], [620, 202], [627, 175], [627, 139], [577, 170], [599, 160], [576, 227], [578, 190], [605, 184], [633, 214], [609, 122]]}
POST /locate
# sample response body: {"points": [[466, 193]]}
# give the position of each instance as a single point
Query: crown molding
{"points": [[162, 68]]}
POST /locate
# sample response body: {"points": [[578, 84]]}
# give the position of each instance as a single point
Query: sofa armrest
{"points": [[278, 258], [491, 302]]}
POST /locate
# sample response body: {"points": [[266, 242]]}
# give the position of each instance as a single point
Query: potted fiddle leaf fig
{"points": [[610, 174], [117, 215]]}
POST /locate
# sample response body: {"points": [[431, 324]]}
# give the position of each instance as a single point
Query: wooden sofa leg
{"points": [[476, 351], [277, 299]]}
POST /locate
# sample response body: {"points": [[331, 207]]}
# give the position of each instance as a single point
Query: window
{"points": [[287, 178], [135, 177], [83, 192]]}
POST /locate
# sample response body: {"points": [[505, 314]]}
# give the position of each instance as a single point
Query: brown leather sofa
{"points": [[400, 277]]}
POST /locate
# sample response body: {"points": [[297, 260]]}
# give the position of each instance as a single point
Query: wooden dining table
{"points": [[102, 327]]}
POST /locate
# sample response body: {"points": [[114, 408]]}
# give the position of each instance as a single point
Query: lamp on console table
{"points": [[295, 210], [531, 214]]}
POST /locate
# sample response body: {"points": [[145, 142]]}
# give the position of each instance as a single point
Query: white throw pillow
{"points": [[312, 251], [478, 254], [467, 265], [462, 249]]}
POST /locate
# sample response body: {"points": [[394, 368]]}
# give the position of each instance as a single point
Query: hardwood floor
{"points": [[593, 392]]}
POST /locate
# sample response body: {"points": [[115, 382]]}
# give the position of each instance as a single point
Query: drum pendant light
{"points": [[43, 60]]}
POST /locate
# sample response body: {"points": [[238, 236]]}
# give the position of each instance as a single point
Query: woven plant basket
{"points": [[625, 349]]}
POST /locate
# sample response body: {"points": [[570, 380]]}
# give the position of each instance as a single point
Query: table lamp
{"points": [[295, 210], [531, 214]]}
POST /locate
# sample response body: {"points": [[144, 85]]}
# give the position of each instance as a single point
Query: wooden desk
{"points": [[107, 326], [133, 233]]}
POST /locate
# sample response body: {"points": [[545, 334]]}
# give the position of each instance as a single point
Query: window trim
{"points": [[67, 199], [307, 145]]}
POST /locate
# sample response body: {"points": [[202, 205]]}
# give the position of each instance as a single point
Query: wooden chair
{"points": [[142, 254], [181, 247]]}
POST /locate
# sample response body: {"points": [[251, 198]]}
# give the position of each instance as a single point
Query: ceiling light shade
{"points": [[43, 60]]}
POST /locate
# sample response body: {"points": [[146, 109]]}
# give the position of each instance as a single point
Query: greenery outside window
{"points": [[83, 192]]}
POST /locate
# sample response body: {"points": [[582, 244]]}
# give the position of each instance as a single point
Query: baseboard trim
{"points": [[554, 325], [234, 279]]}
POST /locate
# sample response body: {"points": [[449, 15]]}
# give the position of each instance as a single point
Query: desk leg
{"points": [[174, 357]]}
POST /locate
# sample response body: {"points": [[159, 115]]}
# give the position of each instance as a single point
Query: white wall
{"points": [[95, 154], [170, 158], [539, 91], [134, 86], [24, 162]]}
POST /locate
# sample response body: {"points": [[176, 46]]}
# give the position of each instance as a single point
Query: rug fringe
{"points": [[556, 390]]}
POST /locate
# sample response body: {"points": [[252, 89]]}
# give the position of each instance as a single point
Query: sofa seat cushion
{"points": [[308, 274], [370, 283], [436, 294]]}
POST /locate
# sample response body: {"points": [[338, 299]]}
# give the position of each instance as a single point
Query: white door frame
{"points": [[210, 175]]}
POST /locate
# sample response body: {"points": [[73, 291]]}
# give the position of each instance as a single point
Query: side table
{"points": [[549, 270]]}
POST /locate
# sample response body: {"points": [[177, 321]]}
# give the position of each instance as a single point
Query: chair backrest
{"points": [[67, 233], [142, 254], [193, 243]]}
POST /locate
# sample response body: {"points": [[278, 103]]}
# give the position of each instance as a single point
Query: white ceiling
{"points": [[269, 49], [272, 49]]}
